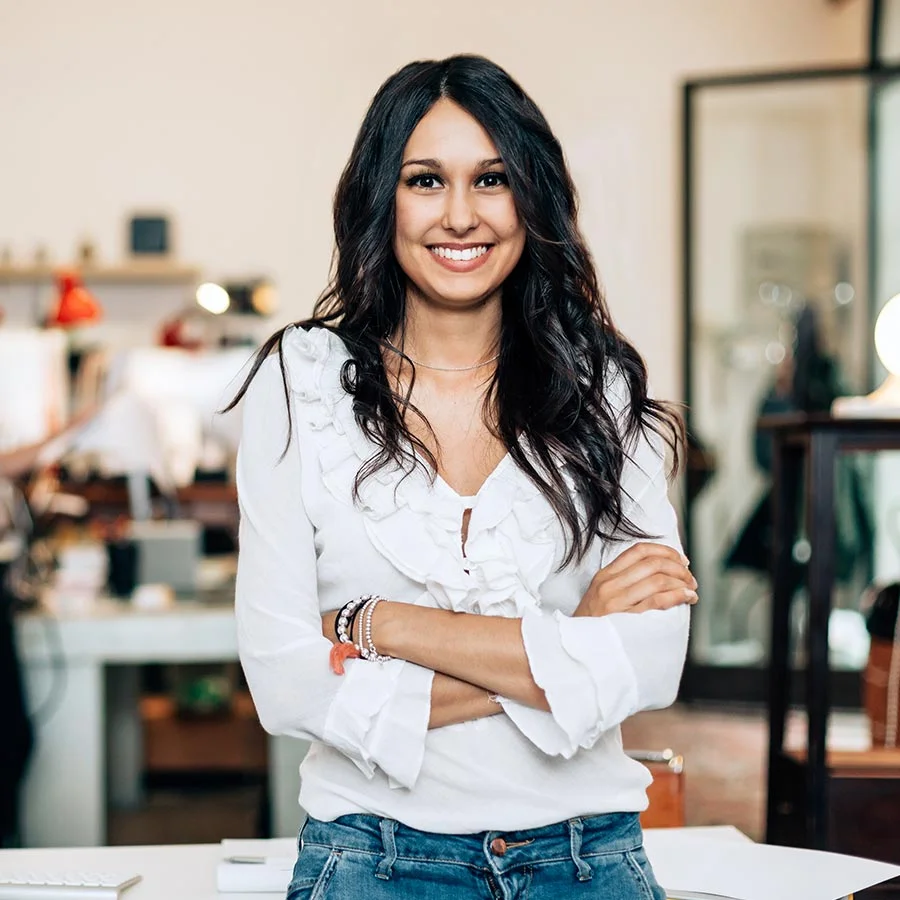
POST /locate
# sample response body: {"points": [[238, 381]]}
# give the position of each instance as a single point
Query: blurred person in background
{"points": [[459, 571], [16, 745]]}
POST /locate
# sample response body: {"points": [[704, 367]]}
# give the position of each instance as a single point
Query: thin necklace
{"points": [[480, 365]]}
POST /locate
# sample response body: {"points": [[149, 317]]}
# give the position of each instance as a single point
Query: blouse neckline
{"points": [[514, 538], [471, 499]]}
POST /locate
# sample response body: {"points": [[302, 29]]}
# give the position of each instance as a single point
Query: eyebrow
{"points": [[436, 163]]}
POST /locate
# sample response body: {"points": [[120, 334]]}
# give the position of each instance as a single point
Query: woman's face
{"points": [[458, 234]]}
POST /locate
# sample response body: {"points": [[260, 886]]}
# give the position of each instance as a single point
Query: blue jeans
{"points": [[361, 857]]}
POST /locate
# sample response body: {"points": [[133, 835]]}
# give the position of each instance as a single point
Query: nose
{"points": [[460, 214]]}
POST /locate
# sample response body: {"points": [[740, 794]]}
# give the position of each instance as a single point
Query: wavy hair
{"points": [[547, 400]]}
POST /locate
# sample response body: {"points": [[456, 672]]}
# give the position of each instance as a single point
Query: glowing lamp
{"points": [[213, 298], [884, 402]]}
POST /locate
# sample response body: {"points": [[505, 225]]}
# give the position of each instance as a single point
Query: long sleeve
{"points": [[376, 714], [596, 672]]}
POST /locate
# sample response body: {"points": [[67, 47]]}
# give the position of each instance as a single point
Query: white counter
{"points": [[81, 680]]}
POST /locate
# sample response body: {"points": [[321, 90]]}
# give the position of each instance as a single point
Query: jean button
{"points": [[498, 846]]}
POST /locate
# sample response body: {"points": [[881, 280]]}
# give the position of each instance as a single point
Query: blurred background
{"points": [[166, 175]]}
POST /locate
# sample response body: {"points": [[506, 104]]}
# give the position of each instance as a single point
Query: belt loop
{"points": [[383, 869], [583, 870]]}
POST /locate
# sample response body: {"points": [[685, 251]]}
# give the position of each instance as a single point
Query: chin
{"points": [[461, 295]]}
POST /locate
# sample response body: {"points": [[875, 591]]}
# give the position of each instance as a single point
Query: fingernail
{"points": [[691, 595], [685, 560]]}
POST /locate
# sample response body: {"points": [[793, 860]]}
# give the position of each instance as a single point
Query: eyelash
{"points": [[415, 180]]}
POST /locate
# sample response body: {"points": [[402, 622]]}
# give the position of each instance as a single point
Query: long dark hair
{"points": [[558, 346]]}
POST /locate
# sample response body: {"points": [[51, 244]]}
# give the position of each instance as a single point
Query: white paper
{"points": [[272, 876], [701, 864]]}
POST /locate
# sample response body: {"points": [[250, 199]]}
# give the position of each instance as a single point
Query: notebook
{"points": [[256, 866]]}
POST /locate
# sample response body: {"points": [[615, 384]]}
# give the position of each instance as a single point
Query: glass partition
{"points": [[793, 211], [887, 283], [890, 32]]}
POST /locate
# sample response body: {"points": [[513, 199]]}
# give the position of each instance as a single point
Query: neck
{"points": [[450, 338]]}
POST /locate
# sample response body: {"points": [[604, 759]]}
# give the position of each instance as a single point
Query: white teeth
{"points": [[468, 253]]}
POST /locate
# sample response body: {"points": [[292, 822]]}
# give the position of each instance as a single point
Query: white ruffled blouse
{"points": [[306, 548]]}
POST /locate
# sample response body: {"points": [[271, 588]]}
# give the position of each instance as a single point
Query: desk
{"points": [[178, 872], [65, 793], [678, 855], [188, 871], [816, 441]]}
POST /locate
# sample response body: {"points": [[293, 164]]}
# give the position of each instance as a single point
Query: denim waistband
{"points": [[575, 839]]}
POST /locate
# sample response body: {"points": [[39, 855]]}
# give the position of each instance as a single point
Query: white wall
{"points": [[236, 117]]}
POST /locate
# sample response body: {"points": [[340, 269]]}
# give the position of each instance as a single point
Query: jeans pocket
{"points": [[313, 872], [638, 860]]}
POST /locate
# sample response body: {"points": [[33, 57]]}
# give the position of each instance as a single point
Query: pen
{"points": [[248, 860]]}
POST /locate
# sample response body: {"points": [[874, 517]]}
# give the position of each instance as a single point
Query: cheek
{"points": [[507, 224], [411, 221]]}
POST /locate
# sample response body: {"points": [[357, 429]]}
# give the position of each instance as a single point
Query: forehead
{"points": [[450, 134]]}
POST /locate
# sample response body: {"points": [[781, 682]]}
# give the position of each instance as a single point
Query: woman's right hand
{"points": [[646, 576]]}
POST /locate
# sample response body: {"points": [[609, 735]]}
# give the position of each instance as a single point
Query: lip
{"points": [[461, 265]]}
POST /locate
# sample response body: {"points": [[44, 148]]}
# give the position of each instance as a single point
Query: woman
{"points": [[460, 430]]}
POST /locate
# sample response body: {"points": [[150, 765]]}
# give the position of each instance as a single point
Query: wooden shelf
{"points": [[234, 741], [115, 493], [882, 762], [137, 271], [212, 503]]}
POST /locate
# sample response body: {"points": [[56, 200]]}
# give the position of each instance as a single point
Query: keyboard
{"points": [[65, 885]]}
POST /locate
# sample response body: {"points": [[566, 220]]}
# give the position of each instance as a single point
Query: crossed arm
{"points": [[475, 656], [621, 651]]}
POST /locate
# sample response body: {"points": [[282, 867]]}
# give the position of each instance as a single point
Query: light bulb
{"points": [[887, 335], [213, 298]]}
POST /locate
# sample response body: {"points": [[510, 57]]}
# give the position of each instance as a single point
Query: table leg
{"points": [[787, 466], [64, 797], [820, 510], [124, 736]]}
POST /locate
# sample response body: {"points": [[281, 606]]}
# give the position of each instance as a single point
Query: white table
{"points": [[187, 872], [179, 872], [183, 872], [89, 749]]}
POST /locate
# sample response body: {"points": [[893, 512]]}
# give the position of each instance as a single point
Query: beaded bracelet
{"points": [[347, 615], [345, 648], [369, 651], [363, 606], [345, 618]]}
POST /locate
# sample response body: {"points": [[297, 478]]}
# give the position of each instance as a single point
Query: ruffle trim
{"points": [[514, 538], [587, 677]]}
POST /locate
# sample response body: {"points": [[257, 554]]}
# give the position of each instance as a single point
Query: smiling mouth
{"points": [[459, 254]]}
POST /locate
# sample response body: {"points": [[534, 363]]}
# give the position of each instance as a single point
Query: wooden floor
{"points": [[725, 752], [724, 761]]}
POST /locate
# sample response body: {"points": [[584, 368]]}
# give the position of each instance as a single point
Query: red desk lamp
{"points": [[76, 305]]}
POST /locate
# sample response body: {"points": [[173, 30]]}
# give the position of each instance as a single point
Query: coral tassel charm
{"points": [[340, 652]]}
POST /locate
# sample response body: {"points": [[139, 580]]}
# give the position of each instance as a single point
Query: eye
{"points": [[493, 180], [426, 180]]}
